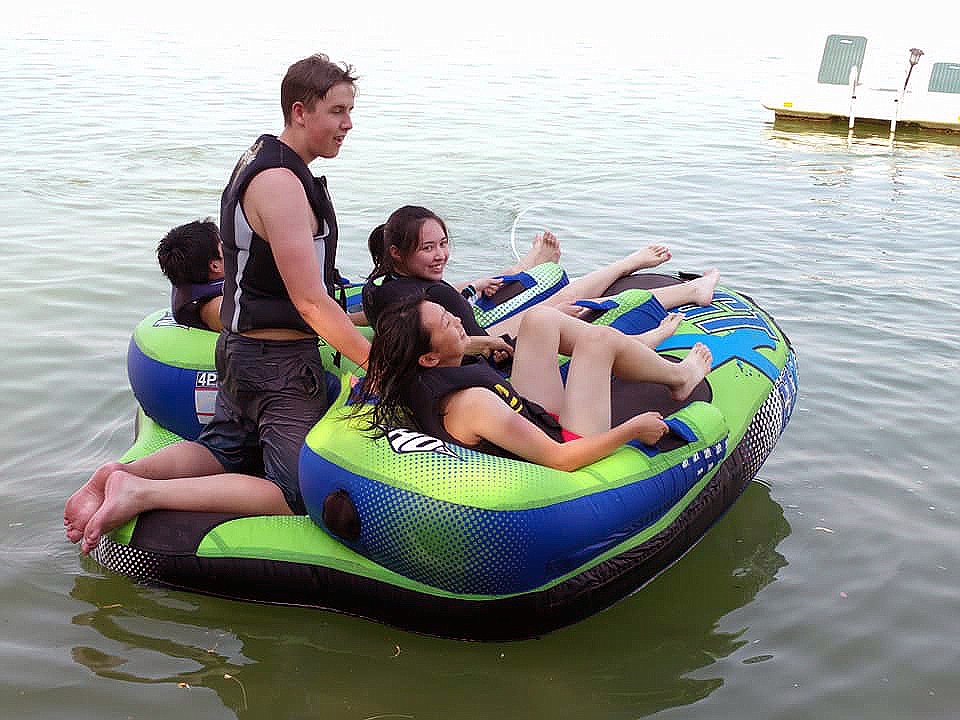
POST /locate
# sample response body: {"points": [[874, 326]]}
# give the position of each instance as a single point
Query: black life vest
{"points": [[425, 401], [186, 301], [254, 295], [383, 292]]}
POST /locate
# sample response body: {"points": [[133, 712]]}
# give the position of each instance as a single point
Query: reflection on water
{"points": [[291, 662], [866, 134]]}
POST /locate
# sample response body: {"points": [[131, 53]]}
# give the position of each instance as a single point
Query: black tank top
{"points": [[254, 295]]}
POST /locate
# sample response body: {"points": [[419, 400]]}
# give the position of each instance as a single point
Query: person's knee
{"points": [[540, 317], [603, 335], [598, 341]]}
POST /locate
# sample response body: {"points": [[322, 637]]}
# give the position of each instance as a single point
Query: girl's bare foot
{"points": [[667, 327], [694, 367], [545, 248], [86, 501], [649, 257], [122, 501], [704, 286]]}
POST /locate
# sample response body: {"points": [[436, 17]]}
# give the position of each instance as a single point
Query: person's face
{"points": [[430, 258], [329, 122], [447, 338]]}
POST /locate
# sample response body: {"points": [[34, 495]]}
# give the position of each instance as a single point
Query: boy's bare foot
{"points": [[86, 501], [122, 500], [545, 248], [704, 286], [695, 367]]}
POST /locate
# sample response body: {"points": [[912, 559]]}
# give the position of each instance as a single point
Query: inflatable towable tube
{"points": [[440, 539], [519, 292]]}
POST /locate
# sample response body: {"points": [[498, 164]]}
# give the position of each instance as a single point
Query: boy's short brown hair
{"points": [[309, 80]]}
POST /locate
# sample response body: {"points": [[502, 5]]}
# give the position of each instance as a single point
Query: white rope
{"points": [[583, 191], [513, 231]]}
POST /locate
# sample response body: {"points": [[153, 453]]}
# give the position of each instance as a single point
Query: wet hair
{"points": [[186, 251], [309, 80], [402, 230], [394, 363]]}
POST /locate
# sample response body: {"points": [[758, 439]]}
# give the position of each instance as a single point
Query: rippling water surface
{"points": [[830, 590]]}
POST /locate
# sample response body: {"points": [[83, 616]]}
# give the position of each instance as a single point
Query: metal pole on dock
{"points": [[852, 82], [915, 54]]}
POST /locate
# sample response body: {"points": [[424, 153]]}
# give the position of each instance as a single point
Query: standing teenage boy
{"points": [[279, 236]]}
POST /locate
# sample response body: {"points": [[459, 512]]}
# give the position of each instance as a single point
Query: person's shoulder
{"points": [[397, 286], [441, 289], [466, 403], [276, 189], [443, 293], [378, 293], [369, 296], [276, 177]]}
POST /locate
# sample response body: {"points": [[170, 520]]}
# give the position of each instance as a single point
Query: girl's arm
{"points": [[481, 286], [486, 345], [476, 413]]}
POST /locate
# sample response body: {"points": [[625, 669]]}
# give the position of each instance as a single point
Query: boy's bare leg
{"points": [[182, 459], [127, 495]]}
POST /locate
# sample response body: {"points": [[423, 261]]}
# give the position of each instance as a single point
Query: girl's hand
{"points": [[501, 356], [649, 427], [487, 286], [499, 348], [572, 309], [486, 346]]}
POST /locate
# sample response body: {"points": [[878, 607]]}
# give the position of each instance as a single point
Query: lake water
{"points": [[830, 590]]}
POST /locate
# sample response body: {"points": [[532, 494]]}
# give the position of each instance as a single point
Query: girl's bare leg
{"points": [[693, 292], [586, 400], [535, 372], [544, 248], [602, 351], [633, 360], [595, 283]]}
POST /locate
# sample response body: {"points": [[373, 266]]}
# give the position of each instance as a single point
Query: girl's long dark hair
{"points": [[392, 369], [402, 230]]}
